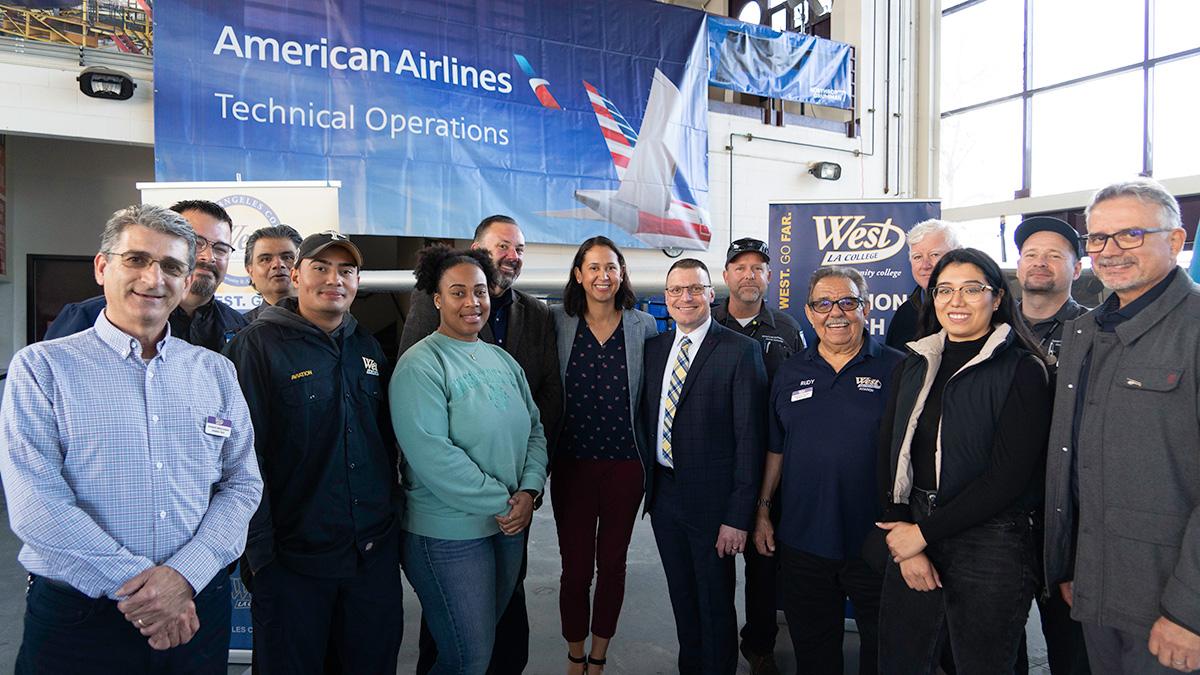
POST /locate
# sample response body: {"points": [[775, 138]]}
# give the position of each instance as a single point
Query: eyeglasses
{"points": [[694, 289], [825, 305], [1125, 239], [137, 260], [970, 292], [219, 248]]}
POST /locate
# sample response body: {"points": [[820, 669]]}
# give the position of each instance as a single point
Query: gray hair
{"points": [[934, 226], [840, 272], [150, 217], [274, 232], [1144, 190]]}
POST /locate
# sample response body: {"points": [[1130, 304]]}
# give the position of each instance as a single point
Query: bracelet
{"points": [[764, 503]]}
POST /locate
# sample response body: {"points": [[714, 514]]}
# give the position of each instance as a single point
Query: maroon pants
{"points": [[595, 505]]}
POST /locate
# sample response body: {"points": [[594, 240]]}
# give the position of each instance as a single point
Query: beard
{"points": [[749, 294], [204, 286]]}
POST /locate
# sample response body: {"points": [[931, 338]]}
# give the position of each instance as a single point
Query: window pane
{"points": [[983, 234], [1087, 135], [750, 13], [981, 155], [947, 4], [981, 53], [1175, 24], [1072, 38], [1176, 135]]}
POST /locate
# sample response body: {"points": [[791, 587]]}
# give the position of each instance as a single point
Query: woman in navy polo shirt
{"points": [[825, 407], [598, 475], [962, 449]]}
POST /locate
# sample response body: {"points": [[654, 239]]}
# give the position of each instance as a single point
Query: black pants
{"points": [[988, 581], [814, 599], [700, 584], [68, 632], [758, 635], [305, 624], [510, 655]]}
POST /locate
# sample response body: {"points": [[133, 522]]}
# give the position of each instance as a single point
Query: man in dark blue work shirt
{"points": [[825, 410], [200, 318]]}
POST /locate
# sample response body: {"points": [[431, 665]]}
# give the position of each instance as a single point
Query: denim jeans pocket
{"points": [[52, 605]]}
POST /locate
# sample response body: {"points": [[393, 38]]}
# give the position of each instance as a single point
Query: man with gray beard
{"points": [[199, 319]]}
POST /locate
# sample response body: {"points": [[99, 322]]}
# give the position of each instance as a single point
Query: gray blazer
{"points": [[637, 327], [1137, 552]]}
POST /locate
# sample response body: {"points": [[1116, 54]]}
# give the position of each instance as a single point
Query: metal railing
{"points": [[126, 27]]}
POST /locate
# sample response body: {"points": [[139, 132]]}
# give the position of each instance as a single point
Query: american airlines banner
{"points": [[870, 236], [577, 118]]}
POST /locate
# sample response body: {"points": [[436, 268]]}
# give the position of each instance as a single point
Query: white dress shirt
{"points": [[697, 337]]}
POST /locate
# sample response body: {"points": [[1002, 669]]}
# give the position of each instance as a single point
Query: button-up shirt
{"points": [[697, 337], [113, 464]]}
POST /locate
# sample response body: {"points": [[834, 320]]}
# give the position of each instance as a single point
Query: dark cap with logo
{"points": [[1048, 224], [747, 245], [313, 244]]}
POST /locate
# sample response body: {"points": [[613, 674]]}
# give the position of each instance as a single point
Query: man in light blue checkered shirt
{"points": [[128, 465]]}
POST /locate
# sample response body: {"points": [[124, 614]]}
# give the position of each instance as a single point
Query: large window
{"points": [[1042, 97]]}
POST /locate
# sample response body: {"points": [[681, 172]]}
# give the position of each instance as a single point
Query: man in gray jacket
{"points": [[1123, 467]]}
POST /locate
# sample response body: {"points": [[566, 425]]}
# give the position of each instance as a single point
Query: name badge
{"points": [[215, 426], [801, 394]]}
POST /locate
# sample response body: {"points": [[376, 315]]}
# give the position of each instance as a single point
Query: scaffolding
{"points": [[124, 26]]}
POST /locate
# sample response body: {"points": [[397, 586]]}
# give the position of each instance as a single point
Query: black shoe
{"points": [[760, 664]]}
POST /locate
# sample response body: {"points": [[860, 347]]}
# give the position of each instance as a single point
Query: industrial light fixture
{"points": [[825, 170], [100, 82]]}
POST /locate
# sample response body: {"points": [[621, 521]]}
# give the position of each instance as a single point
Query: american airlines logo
{"points": [[847, 240]]}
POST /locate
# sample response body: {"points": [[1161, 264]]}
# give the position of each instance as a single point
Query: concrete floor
{"points": [[644, 645]]}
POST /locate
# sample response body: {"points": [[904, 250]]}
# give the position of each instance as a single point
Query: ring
{"points": [[141, 623]]}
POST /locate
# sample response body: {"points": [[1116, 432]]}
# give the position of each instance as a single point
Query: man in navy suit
{"points": [[702, 422]]}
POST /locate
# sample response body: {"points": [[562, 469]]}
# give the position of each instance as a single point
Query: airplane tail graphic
{"points": [[617, 132]]}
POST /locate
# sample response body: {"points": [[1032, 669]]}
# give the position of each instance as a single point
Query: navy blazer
{"points": [[719, 434]]}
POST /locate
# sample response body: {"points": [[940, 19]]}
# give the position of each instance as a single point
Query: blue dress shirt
{"points": [[111, 465]]}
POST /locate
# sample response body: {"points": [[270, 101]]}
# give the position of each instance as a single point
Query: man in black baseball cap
{"points": [[1049, 262], [747, 273]]}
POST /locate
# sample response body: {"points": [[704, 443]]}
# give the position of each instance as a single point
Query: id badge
{"points": [[216, 426]]}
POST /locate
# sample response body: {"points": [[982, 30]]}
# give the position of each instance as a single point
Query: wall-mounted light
{"points": [[825, 170], [100, 82]]}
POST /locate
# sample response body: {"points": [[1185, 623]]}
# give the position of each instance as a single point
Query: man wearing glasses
{"points": [[1122, 474], [200, 318], [824, 414], [703, 436], [129, 473], [747, 273]]}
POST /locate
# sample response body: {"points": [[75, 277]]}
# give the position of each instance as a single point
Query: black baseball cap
{"points": [[1048, 224], [315, 243], [747, 245]]}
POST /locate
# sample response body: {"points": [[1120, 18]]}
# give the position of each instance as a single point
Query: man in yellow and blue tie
{"points": [[702, 422]]}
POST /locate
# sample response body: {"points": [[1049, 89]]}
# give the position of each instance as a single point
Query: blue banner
{"points": [[870, 236], [576, 118], [754, 59]]}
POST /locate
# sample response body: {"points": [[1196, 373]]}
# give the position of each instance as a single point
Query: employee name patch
{"points": [[371, 366], [303, 373], [868, 383]]}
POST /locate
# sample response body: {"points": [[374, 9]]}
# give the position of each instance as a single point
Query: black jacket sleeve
{"points": [[749, 425], [1018, 451], [883, 469]]}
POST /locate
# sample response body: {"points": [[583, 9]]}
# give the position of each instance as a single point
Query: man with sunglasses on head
{"points": [[747, 273], [1122, 474], [824, 413], [129, 472], [200, 318]]}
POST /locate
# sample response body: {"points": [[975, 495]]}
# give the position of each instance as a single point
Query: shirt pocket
{"points": [[203, 452], [309, 391], [1149, 378]]}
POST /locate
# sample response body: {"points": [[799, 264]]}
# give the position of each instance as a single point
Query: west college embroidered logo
{"points": [[868, 383], [371, 366]]}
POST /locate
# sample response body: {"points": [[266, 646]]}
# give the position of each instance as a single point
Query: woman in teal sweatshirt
{"points": [[474, 460]]}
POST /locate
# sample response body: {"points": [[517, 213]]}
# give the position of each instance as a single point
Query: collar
{"points": [[1069, 310], [697, 335], [932, 346], [504, 299], [123, 343], [1112, 306], [723, 317]]}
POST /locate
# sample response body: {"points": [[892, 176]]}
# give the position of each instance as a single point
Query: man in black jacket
{"points": [[521, 324], [200, 318], [928, 241], [323, 548]]}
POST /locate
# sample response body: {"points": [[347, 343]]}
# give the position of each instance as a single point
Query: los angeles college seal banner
{"points": [[577, 118], [870, 236]]}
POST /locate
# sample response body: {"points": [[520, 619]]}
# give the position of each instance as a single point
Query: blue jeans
{"points": [[463, 586]]}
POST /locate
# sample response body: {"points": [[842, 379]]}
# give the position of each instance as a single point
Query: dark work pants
{"points": [[988, 581], [511, 651], [1065, 647], [761, 592], [305, 624], [68, 632], [700, 584], [814, 599]]}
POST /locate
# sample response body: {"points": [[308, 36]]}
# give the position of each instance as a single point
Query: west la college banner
{"points": [[577, 118], [870, 236]]}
